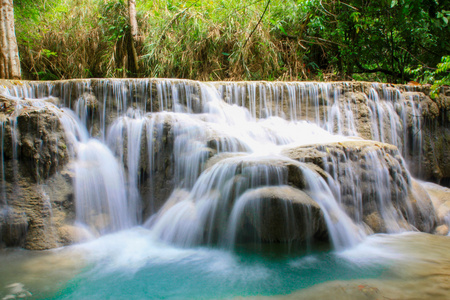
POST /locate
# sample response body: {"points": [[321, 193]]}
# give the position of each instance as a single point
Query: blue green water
{"points": [[133, 265]]}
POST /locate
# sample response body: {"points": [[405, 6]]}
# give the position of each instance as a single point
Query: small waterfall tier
{"points": [[220, 163]]}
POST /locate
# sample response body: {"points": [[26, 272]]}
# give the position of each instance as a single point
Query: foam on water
{"points": [[136, 264], [141, 266]]}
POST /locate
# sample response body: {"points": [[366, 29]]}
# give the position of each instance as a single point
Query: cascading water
{"points": [[100, 194], [228, 164], [130, 118], [213, 203]]}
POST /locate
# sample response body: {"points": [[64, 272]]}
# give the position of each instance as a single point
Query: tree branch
{"points": [[260, 19], [385, 71]]}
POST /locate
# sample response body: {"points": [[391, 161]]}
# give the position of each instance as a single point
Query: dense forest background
{"points": [[376, 40]]}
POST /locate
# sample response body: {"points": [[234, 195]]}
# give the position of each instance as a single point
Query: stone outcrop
{"points": [[284, 214], [373, 184], [36, 192]]}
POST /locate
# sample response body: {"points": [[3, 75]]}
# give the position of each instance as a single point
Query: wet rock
{"points": [[442, 230], [69, 234], [226, 144], [372, 184], [440, 197], [430, 109], [423, 215], [375, 222], [41, 145], [427, 147], [35, 197], [221, 156], [36, 212], [90, 101], [13, 227], [307, 154], [283, 214], [435, 160]]}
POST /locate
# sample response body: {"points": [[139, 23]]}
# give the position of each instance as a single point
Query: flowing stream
{"points": [[189, 190]]}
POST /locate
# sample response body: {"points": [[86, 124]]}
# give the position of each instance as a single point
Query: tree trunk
{"points": [[9, 52], [133, 21], [132, 53]]}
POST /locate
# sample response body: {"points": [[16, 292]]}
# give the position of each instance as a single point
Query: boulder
{"points": [[69, 234], [283, 214], [422, 213], [440, 197], [37, 136]]}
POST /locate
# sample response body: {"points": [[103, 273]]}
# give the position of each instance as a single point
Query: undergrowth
{"points": [[393, 41], [203, 40]]}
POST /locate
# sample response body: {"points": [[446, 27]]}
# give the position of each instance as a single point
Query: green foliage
{"points": [[205, 40], [443, 71], [383, 37], [387, 40], [59, 40], [49, 53]]}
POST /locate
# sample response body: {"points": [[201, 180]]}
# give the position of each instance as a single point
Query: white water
{"points": [[123, 137]]}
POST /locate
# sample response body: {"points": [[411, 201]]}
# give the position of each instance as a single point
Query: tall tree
{"points": [[9, 52], [133, 65]]}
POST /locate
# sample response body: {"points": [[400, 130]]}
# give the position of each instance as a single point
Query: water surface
{"points": [[133, 264]]}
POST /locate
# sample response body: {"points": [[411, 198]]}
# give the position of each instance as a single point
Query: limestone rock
{"points": [[440, 197], [69, 234], [375, 222], [442, 230], [90, 101], [372, 183], [283, 213], [424, 215], [41, 145], [35, 197], [13, 227]]}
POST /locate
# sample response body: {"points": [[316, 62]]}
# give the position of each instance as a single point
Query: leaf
{"points": [[394, 3], [226, 54]]}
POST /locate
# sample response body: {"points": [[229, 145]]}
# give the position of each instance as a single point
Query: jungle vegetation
{"points": [[378, 40]]}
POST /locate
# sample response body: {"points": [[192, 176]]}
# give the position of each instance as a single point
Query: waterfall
{"points": [[205, 163]]}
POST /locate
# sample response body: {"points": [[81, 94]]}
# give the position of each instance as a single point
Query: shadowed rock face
{"points": [[284, 214]]}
